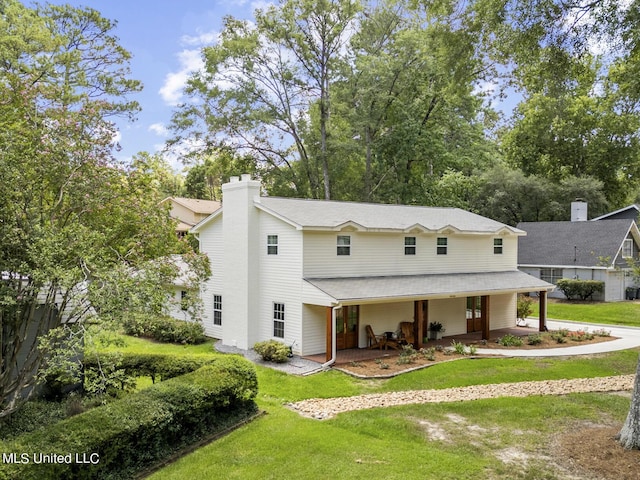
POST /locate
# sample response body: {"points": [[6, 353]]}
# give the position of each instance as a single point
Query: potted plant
{"points": [[435, 330]]}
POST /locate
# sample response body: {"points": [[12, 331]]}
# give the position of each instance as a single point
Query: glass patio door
{"points": [[347, 320]]}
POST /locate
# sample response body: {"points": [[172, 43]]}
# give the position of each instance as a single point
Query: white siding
{"points": [[384, 317], [280, 279], [502, 311], [314, 327], [451, 313], [383, 254], [211, 242]]}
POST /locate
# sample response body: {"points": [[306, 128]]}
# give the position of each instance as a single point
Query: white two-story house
{"points": [[314, 273]]}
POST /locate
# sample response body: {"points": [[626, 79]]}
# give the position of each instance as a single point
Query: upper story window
{"points": [[442, 245], [344, 245], [627, 248], [497, 246], [272, 244], [278, 320], [409, 245], [217, 309]]}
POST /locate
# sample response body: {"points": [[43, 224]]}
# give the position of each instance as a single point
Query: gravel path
{"points": [[323, 408]]}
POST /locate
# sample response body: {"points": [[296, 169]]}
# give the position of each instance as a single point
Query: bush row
{"points": [[158, 366], [164, 329], [582, 289], [123, 437]]}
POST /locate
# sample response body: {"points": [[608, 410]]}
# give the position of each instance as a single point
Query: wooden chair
{"points": [[374, 341], [407, 333]]}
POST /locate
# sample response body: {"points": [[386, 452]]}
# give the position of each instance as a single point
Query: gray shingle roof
{"points": [[430, 285], [582, 244], [331, 214]]}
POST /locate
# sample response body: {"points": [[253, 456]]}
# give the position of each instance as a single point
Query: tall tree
{"points": [[260, 81], [69, 213]]}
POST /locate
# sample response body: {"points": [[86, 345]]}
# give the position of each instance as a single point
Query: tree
{"points": [[70, 215], [629, 436], [259, 83]]}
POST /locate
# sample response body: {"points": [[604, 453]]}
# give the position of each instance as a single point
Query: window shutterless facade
{"points": [[409, 245], [272, 244], [442, 245], [278, 320], [344, 245], [217, 309], [627, 248], [551, 275], [497, 246]]}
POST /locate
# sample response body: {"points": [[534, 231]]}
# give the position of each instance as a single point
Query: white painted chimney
{"points": [[240, 223], [579, 211]]}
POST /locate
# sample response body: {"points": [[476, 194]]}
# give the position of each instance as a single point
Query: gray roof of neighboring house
{"points": [[583, 244], [428, 285], [630, 212], [332, 215]]}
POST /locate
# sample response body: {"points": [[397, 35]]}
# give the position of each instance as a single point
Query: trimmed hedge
{"points": [[164, 329], [154, 365], [140, 430], [582, 289]]}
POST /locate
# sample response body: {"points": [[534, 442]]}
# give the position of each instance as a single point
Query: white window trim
{"points": [[410, 248], [343, 249], [627, 248], [278, 319], [498, 245], [217, 310], [272, 244], [444, 246]]}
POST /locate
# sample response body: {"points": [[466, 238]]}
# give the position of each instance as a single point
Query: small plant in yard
{"points": [[356, 364], [383, 365], [510, 340], [534, 339], [524, 307], [407, 355], [602, 333], [459, 347], [428, 353], [473, 349], [559, 337], [580, 336], [272, 351]]}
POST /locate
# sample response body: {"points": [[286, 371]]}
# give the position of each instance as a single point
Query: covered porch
{"points": [[347, 356], [472, 304]]}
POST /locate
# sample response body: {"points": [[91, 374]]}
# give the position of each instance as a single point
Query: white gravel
{"points": [[324, 408]]}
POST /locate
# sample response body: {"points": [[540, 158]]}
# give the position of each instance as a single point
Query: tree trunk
{"points": [[629, 436]]}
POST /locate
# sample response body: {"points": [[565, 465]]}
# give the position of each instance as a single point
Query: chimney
{"points": [[241, 247], [579, 210]]}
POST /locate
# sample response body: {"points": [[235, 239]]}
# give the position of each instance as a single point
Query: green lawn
{"points": [[611, 313], [399, 442]]}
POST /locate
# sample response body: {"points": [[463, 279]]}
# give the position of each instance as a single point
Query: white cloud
{"points": [[174, 83], [201, 39], [159, 129]]}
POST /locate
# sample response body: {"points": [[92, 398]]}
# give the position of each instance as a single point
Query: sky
{"points": [[164, 38]]}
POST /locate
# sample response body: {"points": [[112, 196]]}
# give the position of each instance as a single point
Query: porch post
{"points": [[486, 324], [419, 311], [542, 316], [329, 334]]}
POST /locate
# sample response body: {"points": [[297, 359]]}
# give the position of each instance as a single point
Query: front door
{"points": [[347, 320], [474, 314]]}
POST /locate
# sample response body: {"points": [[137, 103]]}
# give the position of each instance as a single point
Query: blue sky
{"points": [[164, 37]]}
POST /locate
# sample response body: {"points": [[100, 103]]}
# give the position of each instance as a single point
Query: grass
{"points": [[397, 442], [611, 313]]}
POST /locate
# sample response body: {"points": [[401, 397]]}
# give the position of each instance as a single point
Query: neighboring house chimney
{"points": [[240, 262], [579, 211]]}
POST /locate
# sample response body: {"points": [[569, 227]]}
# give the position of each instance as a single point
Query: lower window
{"points": [[217, 309], [278, 320]]}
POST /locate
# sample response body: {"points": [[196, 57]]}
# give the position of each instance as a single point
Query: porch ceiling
{"points": [[360, 290]]}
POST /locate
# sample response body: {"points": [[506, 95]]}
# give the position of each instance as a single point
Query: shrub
{"points": [[524, 306], [272, 351], [133, 433], [407, 355], [582, 289], [534, 339], [510, 341], [165, 329], [428, 353], [459, 347]]}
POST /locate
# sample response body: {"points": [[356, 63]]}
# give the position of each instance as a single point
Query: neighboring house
{"points": [[631, 212], [314, 274], [581, 250], [189, 211]]}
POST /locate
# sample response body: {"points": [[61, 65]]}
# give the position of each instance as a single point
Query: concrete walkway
{"points": [[628, 337]]}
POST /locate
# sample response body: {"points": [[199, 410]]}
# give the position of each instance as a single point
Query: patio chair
{"points": [[406, 329], [374, 341]]}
